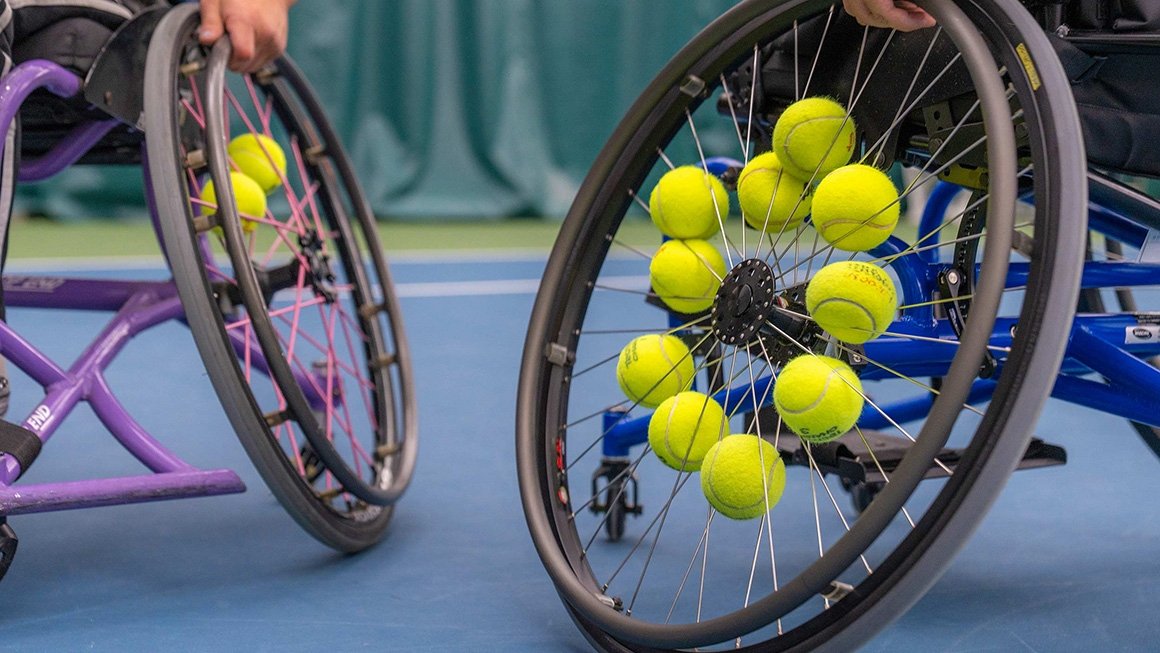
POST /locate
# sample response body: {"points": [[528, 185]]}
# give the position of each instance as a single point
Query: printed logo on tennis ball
{"points": [[251, 201], [654, 367], [852, 300], [259, 157], [818, 397]]}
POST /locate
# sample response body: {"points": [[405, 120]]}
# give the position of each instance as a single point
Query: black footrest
{"points": [[863, 459]]}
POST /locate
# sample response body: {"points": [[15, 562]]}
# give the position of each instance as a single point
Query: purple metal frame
{"points": [[136, 306]]}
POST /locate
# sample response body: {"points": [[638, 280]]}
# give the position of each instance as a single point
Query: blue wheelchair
{"points": [[1024, 277]]}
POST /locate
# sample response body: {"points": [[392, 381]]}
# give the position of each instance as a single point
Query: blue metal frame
{"points": [[1098, 345]]}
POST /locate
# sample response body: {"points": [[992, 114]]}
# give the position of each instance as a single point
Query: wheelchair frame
{"points": [[136, 307]]}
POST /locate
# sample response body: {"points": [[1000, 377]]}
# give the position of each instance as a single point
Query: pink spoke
{"points": [[247, 351], [363, 385], [328, 320], [198, 111], [297, 312], [193, 113], [323, 347], [281, 231], [355, 445], [264, 117], [300, 162], [251, 128]]}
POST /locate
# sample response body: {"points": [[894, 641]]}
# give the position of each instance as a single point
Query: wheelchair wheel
{"points": [[293, 310], [979, 99]]}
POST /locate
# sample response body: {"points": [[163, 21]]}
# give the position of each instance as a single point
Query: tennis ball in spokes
{"points": [[685, 274], [813, 137], [852, 300], [261, 158], [684, 427], [251, 201], [742, 476], [771, 199], [654, 367], [818, 397], [855, 208], [688, 202]]}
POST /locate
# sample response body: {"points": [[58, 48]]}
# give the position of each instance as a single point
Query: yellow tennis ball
{"points": [[813, 137], [742, 476], [688, 202], [685, 274], [818, 397], [261, 158], [654, 367], [251, 201], [855, 208], [853, 301], [684, 427], [771, 199]]}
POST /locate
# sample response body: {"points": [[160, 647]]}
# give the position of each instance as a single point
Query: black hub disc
{"points": [[750, 312], [744, 303]]}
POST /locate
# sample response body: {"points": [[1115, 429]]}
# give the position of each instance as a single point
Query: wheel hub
{"points": [[319, 272], [744, 302], [749, 311]]}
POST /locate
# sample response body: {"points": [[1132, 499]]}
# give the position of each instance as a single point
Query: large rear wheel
{"points": [[987, 298]]}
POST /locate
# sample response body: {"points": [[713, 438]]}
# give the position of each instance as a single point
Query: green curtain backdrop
{"points": [[455, 108]]}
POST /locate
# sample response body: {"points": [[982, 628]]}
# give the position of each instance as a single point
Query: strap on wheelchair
{"points": [[20, 443]]}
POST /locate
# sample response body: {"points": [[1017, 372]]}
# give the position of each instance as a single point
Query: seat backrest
{"points": [[69, 33]]}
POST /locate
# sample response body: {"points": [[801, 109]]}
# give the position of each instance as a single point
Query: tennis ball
{"points": [[684, 427], [772, 200], [248, 194], [855, 208], [813, 137], [853, 301], [654, 367], [261, 158], [688, 202], [685, 274], [818, 397], [742, 476]]}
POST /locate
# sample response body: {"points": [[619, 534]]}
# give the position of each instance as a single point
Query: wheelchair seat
{"points": [[71, 35]]}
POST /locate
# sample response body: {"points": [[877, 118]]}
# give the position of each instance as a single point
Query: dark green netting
{"points": [[455, 108]]}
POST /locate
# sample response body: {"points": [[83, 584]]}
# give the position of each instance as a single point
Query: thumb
{"points": [[211, 22]]}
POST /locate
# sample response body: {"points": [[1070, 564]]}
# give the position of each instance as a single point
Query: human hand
{"points": [[258, 29], [902, 15]]}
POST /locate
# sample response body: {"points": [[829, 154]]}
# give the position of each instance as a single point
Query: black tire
{"points": [[297, 322], [572, 310]]}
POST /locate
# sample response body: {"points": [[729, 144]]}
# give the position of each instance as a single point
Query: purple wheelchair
{"points": [[291, 305]]}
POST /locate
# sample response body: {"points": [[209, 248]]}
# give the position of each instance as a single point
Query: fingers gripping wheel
{"points": [[697, 570], [276, 256]]}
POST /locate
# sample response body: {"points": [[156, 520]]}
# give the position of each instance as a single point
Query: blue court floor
{"points": [[1067, 560]]}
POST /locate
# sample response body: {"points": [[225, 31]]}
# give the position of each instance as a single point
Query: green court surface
{"points": [[39, 238], [42, 238]]}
